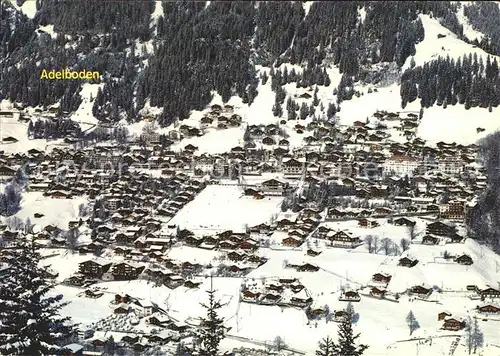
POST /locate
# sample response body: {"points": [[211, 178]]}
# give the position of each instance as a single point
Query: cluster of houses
{"points": [[286, 292]]}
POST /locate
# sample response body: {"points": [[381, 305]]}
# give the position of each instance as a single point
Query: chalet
{"points": [[293, 167], [378, 292], [273, 187], [236, 270], [227, 245], [94, 268], [249, 296], [307, 267], [455, 238], [441, 229], [453, 324], [404, 222], [313, 253], [268, 141], [407, 262], [126, 271], [284, 224], [381, 278], [270, 299], [174, 281], [191, 284], [430, 240], [158, 320], [122, 309], [489, 293], [6, 171], [464, 260], [489, 309], [248, 245], [350, 296], [236, 256], [301, 301], [381, 211], [420, 290], [367, 223], [261, 229], [343, 239], [334, 213]]}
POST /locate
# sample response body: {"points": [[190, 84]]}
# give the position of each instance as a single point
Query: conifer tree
{"points": [[346, 345], [326, 347], [212, 329], [30, 323]]}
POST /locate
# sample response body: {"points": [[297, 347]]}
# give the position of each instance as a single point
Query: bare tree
{"points": [[369, 243], [386, 245], [279, 343], [405, 244], [411, 231], [375, 244], [14, 223], [72, 236]]}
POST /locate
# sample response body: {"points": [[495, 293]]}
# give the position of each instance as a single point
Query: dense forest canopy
{"points": [[176, 59]]}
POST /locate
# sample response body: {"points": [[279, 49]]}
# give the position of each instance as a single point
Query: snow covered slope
{"points": [[433, 47]]}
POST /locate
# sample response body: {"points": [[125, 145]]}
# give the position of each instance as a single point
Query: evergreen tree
{"points": [[477, 336], [212, 329], [30, 323], [331, 111], [412, 322], [326, 347], [346, 345]]}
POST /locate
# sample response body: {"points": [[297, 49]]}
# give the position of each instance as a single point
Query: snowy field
{"points": [[57, 212], [225, 208], [338, 268]]}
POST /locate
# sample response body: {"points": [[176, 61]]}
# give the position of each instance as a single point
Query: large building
{"points": [[400, 166]]}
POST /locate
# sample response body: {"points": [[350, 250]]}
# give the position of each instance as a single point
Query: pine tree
{"points": [[347, 340], [412, 322], [477, 336], [326, 347], [30, 323], [212, 328]]}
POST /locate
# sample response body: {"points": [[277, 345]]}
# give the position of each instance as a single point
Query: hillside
{"points": [[297, 158]]}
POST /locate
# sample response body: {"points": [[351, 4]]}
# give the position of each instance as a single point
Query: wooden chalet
{"points": [[407, 262], [367, 223], [381, 278], [453, 324], [350, 296], [404, 222], [249, 296], [343, 239], [464, 260], [489, 293], [420, 291], [307, 267], [126, 271], [489, 309], [441, 229], [94, 268], [292, 241], [378, 292]]}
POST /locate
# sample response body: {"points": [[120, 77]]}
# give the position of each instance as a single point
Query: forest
{"points": [[176, 60]]}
